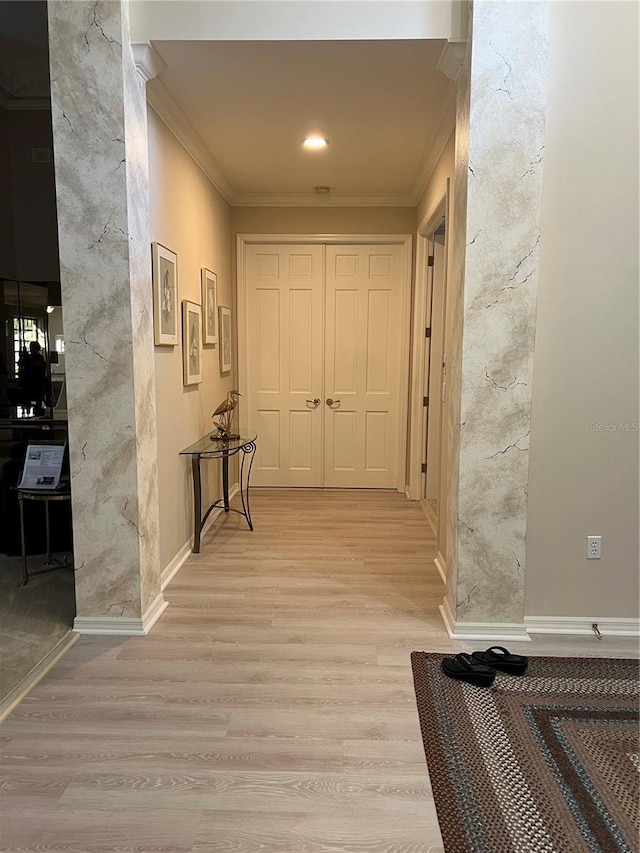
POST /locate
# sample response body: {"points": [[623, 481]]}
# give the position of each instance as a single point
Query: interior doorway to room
{"points": [[325, 354], [428, 460]]}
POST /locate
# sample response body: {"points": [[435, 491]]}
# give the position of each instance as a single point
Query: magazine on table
{"points": [[42, 466]]}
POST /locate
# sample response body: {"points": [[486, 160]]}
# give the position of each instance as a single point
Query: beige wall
{"points": [[584, 481], [189, 217], [437, 185], [323, 220]]}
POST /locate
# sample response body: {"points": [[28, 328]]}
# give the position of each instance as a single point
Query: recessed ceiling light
{"points": [[315, 142]]}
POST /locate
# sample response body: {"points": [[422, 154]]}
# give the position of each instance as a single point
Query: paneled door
{"points": [[324, 384], [285, 327], [363, 299]]}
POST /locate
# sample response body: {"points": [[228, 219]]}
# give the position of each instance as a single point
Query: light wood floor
{"points": [[271, 708], [33, 618]]}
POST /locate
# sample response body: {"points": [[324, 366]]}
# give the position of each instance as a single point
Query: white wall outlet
{"points": [[594, 547]]}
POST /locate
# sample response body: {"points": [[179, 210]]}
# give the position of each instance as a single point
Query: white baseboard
{"points": [[582, 625], [153, 613], [172, 569], [441, 566], [506, 632], [447, 615], [496, 632], [119, 626], [138, 627], [13, 699], [430, 516], [113, 625]]}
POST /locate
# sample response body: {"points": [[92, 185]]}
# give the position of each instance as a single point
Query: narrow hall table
{"points": [[208, 448]]}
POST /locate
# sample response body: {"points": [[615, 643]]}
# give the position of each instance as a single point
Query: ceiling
{"points": [[383, 105], [243, 108]]}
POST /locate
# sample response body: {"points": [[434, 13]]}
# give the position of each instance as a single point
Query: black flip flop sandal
{"points": [[464, 668], [501, 658]]}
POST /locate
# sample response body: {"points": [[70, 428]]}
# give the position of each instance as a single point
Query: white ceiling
{"points": [[382, 104]]}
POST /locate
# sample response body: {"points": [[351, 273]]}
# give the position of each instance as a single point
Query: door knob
{"points": [[315, 402], [331, 402]]}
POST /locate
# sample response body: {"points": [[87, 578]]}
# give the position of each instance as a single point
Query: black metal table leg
{"points": [[225, 481], [248, 450], [25, 572], [47, 559], [197, 503]]}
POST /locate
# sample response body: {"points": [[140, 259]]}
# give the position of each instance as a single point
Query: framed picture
{"points": [[191, 343], [225, 339], [209, 307], [165, 295]]}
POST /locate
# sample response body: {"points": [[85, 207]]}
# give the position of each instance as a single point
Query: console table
{"points": [[208, 448]]}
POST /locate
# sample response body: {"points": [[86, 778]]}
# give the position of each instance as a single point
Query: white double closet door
{"points": [[324, 353]]}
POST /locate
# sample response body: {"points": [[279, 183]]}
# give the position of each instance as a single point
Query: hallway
{"points": [[271, 708]]}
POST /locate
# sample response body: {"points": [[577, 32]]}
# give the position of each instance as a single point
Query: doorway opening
{"points": [[428, 453]]}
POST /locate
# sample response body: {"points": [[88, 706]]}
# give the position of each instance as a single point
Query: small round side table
{"points": [[45, 495]]}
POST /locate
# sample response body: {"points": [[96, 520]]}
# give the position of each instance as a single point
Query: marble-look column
{"points": [[498, 192], [101, 165]]}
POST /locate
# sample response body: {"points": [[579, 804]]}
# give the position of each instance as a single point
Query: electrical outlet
{"points": [[594, 547]]}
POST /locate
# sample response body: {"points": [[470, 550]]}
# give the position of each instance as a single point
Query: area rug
{"points": [[546, 761]]}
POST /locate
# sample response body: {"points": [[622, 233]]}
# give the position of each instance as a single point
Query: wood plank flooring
{"points": [[271, 709], [33, 618]]}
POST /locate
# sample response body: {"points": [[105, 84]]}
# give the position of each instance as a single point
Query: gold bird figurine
{"points": [[223, 416]]}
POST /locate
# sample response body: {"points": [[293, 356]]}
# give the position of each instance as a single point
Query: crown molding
{"points": [[330, 200], [148, 61], [170, 113], [451, 61], [445, 125]]}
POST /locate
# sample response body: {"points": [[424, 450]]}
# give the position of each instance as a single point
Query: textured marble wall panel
{"points": [[102, 201], [507, 98], [137, 162]]}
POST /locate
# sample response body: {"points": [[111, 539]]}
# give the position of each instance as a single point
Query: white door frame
{"points": [[404, 240], [418, 378]]}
